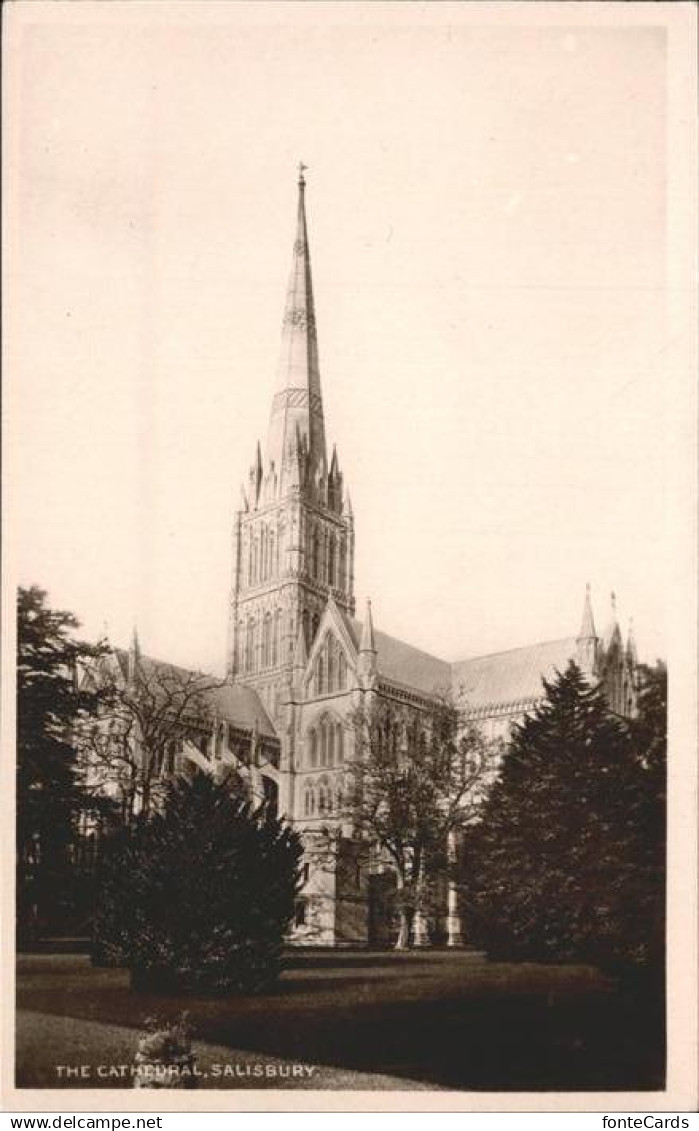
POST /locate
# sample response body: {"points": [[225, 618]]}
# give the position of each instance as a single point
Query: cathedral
{"points": [[299, 663], [302, 660]]}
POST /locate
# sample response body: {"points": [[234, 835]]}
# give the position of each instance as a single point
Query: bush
{"points": [[198, 898]]}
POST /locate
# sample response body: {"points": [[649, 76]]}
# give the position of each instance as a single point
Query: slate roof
{"points": [[239, 705], [508, 678], [401, 663]]}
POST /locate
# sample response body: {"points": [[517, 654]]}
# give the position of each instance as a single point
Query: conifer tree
{"points": [[559, 866], [51, 793], [199, 897]]}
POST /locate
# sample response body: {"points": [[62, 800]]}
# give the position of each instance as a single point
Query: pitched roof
{"points": [[235, 703], [400, 662], [511, 677]]}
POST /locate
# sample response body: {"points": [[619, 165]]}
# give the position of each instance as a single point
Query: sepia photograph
{"points": [[349, 479]]}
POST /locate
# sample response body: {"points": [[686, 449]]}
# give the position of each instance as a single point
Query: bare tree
{"points": [[414, 783], [147, 716]]}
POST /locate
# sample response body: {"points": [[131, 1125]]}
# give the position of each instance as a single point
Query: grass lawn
{"points": [[436, 1019]]}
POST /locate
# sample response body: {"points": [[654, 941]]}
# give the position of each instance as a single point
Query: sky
{"points": [[488, 228]]}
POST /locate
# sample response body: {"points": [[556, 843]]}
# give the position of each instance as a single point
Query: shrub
{"points": [[198, 898]]}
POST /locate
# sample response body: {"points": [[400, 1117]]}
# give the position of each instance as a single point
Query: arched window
{"points": [[342, 670], [305, 620], [255, 558], [342, 580], [340, 744], [271, 563], [314, 625], [325, 799], [277, 637], [330, 649], [309, 802], [249, 645], [267, 642], [323, 743], [313, 747], [320, 675], [331, 744], [331, 559], [315, 554]]}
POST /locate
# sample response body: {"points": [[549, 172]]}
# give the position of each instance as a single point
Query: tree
{"points": [[199, 895], [146, 714], [565, 860], [412, 786], [50, 789]]}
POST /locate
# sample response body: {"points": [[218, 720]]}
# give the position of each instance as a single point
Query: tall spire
{"points": [[587, 627], [298, 400], [586, 651]]}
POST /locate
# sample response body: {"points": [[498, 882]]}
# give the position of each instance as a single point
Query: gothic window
{"points": [[315, 555], [342, 670], [325, 800], [340, 744], [309, 802], [271, 565], [342, 581], [277, 638], [314, 625], [331, 560], [320, 675], [249, 645], [313, 747], [251, 564], [331, 744], [323, 743], [330, 651], [267, 642]]}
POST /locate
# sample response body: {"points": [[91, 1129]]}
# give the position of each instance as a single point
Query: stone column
{"points": [[454, 936]]}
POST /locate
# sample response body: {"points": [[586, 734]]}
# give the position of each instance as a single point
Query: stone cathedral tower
{"points": [[293, 536]]}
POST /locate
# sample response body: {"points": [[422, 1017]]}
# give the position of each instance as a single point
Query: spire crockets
{"points": [[296, 427]]}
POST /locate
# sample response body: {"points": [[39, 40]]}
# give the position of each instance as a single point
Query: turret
{"points": [[586, 651], [366, 660]]}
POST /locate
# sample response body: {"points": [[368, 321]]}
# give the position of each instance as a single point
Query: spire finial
{"points": [[613, 603], [302, 170]]}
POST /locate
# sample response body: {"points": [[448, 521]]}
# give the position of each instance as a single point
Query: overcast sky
{"points": [[486, 212]]}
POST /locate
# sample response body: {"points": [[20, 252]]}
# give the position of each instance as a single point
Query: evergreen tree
{"points": [[199, 896], [50, 792], [564, 863]]}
